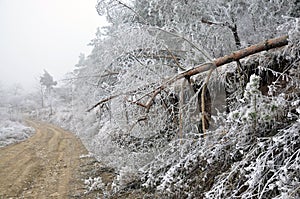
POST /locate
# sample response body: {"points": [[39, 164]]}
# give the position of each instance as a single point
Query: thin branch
{"points": [[206, 55], [151, 100], [132, 10], [175, 59], [235, 56], [118, 95], [141, 63], [87, 76], [202, 51], [135, 102], [232, 27], [213, 22], [103, 101], [155, 56]]}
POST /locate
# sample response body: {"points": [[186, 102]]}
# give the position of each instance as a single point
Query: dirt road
{"points": [[43, 166]]}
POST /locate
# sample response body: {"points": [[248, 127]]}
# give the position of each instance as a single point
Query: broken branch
{"points": [[235, 56], [103, 101]]}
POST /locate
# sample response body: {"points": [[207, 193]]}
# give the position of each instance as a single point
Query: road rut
{"points": [[43, 166]]}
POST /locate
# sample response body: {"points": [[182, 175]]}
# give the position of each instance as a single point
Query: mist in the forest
{"points": [[37, 35]]}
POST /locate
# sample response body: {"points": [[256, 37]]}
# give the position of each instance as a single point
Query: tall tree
{"points": [[47, 83], [47, 80], [144, 122]]}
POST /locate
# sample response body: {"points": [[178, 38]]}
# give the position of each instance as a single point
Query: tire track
{"points": [[43, 166]]}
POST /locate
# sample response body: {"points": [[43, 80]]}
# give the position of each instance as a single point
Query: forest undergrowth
{"points": [[229, 132]]}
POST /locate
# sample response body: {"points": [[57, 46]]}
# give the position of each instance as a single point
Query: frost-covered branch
{"points": [[235, 56]]}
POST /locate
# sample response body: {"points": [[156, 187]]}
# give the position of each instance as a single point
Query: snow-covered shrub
{"points": [[259, 112], [94, 184], [132, 119], [239, 159], [12, 131], [268, 169]]}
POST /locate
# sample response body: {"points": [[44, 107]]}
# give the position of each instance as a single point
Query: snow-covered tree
{"points": [[47, 80], [46, 87], [136, 115], [81, 60]]}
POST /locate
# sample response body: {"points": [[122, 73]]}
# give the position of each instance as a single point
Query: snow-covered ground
{"points": [[12, 130]]}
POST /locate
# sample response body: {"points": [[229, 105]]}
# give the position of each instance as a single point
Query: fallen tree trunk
{"points": [[235, 56]]}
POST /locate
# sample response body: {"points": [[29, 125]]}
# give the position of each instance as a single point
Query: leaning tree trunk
{"points": [[235, 56]]}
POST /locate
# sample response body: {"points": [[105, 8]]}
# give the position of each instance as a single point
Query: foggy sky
{"points": [[43, 34]]}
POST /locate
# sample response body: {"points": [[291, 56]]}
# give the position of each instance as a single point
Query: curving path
{"points": [[43, 166]]}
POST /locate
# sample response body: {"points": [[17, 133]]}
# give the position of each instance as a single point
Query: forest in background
{"points": [[229, 132]]}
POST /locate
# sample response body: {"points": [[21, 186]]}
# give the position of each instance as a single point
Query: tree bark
{"points": [[235, 56]]}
